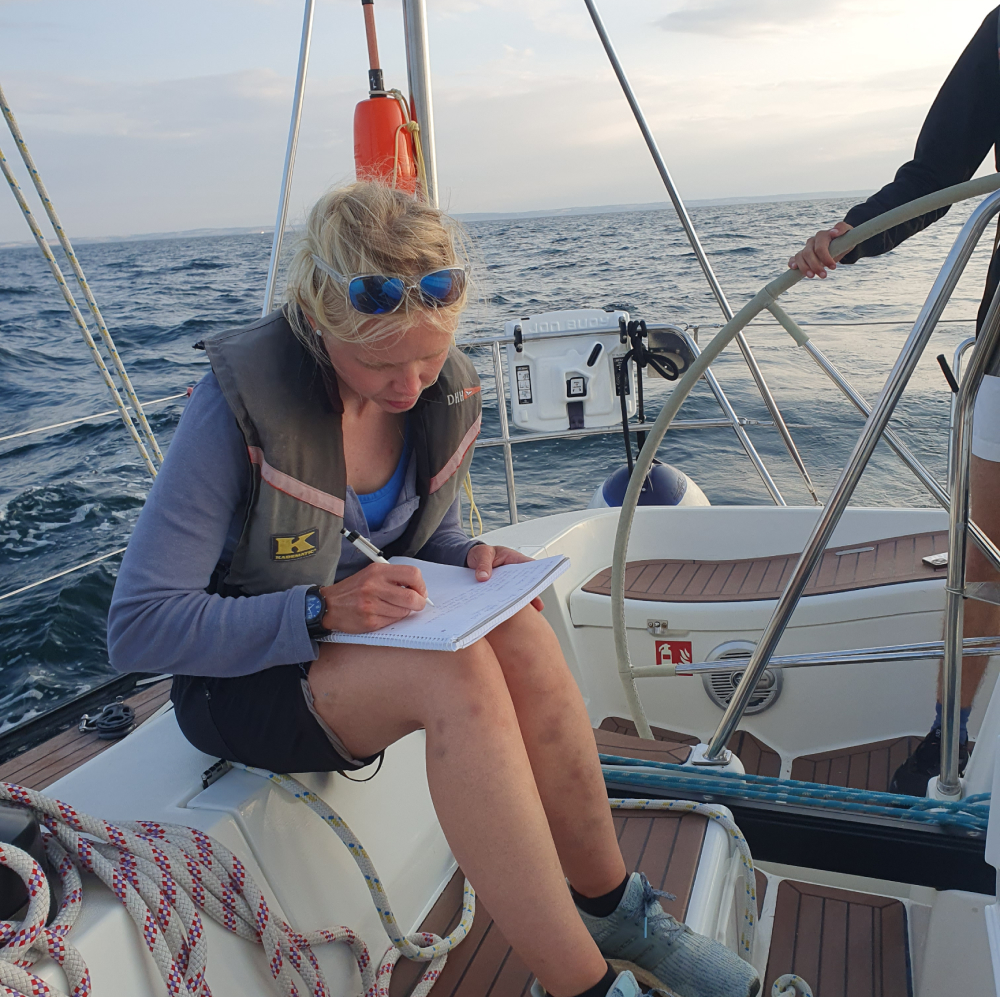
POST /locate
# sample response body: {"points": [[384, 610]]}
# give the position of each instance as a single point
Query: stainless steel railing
{"points": [[921, 651], [956, 592], [713, 282], [874, 429], [289, 167]]}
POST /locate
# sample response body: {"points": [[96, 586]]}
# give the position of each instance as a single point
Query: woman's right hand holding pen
{"points": [[815, 259], [374, 597]]}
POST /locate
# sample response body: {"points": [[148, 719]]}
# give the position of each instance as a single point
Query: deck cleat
{"points": [[666, 954]]}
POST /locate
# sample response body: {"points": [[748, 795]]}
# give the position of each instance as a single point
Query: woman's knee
{"points": [[528, 650], [469, 684]]}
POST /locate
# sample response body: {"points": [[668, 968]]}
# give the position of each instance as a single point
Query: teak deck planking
{"points": [[757, 757], [60, 755], [841, 569], [843, 944], [664, 846]]}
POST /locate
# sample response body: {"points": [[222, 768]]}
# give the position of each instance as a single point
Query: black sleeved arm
{"points": [[962, 124]]}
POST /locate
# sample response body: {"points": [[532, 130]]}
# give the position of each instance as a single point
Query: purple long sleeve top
{"points": [[161, 618]]}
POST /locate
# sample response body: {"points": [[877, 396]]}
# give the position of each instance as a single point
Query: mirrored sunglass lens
{"points": [[443, 287], [374, 295]]}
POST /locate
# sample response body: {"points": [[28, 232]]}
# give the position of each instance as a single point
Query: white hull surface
{"points": [[310, 879], [820, 709]]}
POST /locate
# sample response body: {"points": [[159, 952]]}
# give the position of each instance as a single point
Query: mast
{"points": [[418, 72]]}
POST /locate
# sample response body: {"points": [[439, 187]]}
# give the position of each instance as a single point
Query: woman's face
{"points": [[392, 372]]}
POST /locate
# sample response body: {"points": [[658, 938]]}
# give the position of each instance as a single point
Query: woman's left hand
{"points": [[484, 558]]}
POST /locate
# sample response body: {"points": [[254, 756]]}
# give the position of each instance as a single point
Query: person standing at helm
{"points": [[961, 127], [352, 406]]}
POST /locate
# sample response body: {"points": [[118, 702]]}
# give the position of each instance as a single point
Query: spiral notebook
{"points": [[464, 610]]}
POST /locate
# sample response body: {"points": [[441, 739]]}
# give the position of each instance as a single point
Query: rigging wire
{"points": [[74, 263], [75, 311]]}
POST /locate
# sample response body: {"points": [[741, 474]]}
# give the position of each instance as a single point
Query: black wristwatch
{"points": [[315, 611]]}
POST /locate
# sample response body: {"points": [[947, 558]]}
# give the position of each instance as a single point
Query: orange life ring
{"points": [[383, 146]]}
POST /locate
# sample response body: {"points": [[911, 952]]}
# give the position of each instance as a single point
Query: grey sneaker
{"points": [[664, 953], [625, 985]]}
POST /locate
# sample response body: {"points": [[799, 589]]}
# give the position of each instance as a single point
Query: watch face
{"points": [[314, 607]]}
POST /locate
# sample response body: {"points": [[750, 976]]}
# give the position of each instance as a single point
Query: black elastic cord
{"points": [[368, 778], [622, 379]]}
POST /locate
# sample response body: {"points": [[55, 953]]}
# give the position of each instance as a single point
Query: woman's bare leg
{"points": [[560, 744], [481, 782]]}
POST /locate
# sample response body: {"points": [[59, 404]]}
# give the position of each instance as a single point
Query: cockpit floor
{"points": [[844, 944], [666, 847], [860, 766], [757, 757]]}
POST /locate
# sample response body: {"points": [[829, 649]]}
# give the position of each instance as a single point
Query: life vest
{"points": [[289, 412]]}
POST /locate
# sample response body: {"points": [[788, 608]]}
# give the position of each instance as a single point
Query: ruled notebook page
{"points": [[464, 610]]}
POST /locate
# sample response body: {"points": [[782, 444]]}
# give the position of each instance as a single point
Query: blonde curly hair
{"points": [[367, 228]]}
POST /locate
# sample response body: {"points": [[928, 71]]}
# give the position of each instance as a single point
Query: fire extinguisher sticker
{"points": [[673, 652]]}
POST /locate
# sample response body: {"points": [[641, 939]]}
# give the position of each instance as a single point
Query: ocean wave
{"points": [[73, 494], [200, 265]]}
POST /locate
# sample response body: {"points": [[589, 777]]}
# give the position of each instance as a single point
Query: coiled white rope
{"points": [[791, 985], [404, 944], [164, 874]]}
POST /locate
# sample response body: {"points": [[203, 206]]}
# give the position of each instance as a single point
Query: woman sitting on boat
{"points": [[351, 405], [961, 126]]}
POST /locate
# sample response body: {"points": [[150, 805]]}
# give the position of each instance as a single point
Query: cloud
{"points": [[738, 18], [121, 158]]}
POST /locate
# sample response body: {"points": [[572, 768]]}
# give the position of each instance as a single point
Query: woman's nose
{"points": [[412, 381]]}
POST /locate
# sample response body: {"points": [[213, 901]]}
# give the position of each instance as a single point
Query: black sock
{"points": [[601, 906], [602, 986]]}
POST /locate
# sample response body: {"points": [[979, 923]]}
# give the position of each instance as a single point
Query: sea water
{"points": [[74, 493]]}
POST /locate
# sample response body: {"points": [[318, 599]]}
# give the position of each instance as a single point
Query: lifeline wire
{"points": [[59, 574], [86, 418]]}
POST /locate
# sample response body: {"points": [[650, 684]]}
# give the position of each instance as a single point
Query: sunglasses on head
{"points": [[376, 294]]}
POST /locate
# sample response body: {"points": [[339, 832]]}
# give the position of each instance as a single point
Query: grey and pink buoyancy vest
{"points": [[289, 413]]}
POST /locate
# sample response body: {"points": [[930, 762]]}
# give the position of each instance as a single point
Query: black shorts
{"points": [[261, 720]]}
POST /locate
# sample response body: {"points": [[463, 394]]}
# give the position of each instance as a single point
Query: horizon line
{"points": [[477, 216]]}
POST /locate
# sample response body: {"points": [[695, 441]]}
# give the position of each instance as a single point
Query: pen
{"points": [[367, 548]]}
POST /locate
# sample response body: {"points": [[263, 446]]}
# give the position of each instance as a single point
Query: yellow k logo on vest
{"points": [[290, 548]]}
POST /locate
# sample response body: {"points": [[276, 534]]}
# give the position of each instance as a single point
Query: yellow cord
{"points": [[414, 129], [473, 508]]}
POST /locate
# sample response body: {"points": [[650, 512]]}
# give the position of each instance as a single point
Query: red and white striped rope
{"points": [[164, 875]]}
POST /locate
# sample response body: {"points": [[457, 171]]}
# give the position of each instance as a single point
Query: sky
{"points": [[164, 116]]}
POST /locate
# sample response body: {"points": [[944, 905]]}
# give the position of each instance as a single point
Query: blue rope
{"points": [[971, 812]]}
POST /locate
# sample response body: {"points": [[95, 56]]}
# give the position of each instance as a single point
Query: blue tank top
{"points": [[377, 505]]}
